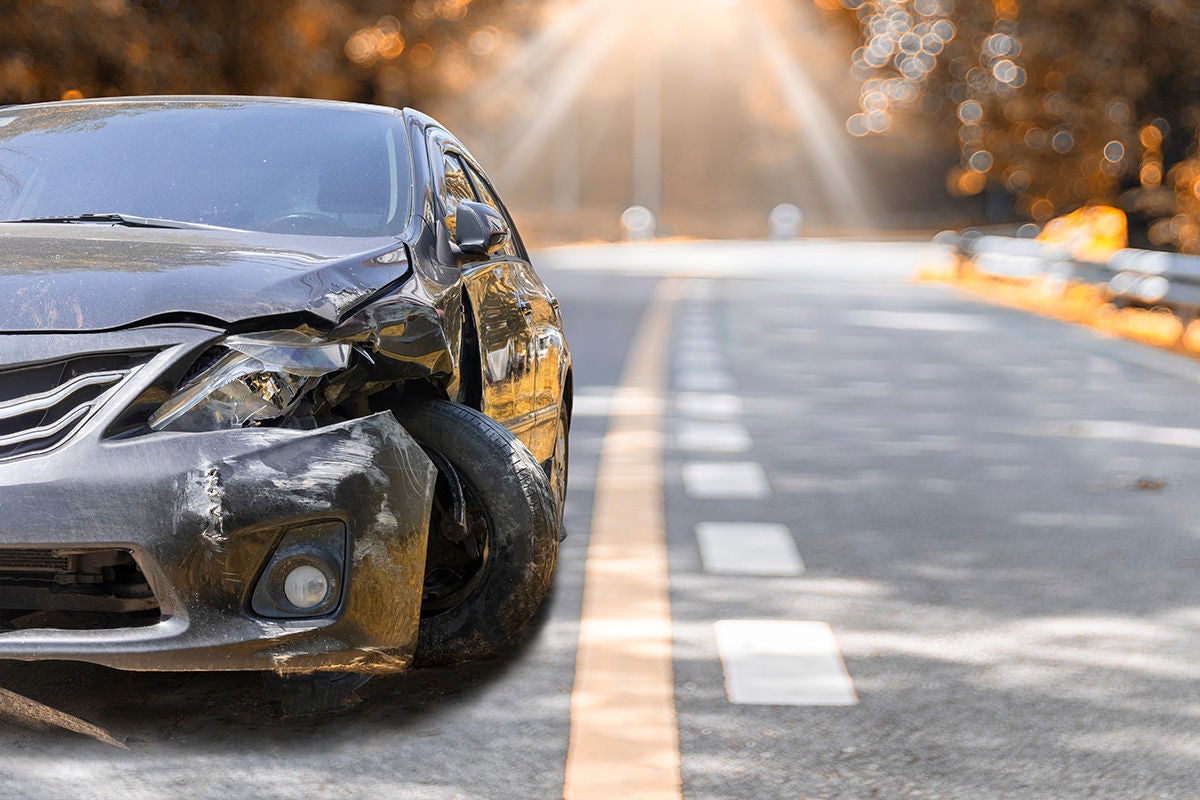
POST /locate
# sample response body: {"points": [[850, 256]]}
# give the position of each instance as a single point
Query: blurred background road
{"points": [[970, 533]]}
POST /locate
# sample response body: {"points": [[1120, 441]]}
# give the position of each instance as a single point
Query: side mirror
{"points": [[479, 230]]}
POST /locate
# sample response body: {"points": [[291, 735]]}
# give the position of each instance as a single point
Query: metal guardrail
{"points": [[1147, 278]]}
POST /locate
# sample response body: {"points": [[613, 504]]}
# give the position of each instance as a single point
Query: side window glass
{"points": [[455, 188], [485, 196]]}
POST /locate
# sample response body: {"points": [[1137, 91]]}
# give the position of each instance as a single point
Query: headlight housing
{"points": [[263, 376]]}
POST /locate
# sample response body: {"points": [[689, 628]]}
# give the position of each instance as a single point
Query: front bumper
{"points": [[201, 514]]}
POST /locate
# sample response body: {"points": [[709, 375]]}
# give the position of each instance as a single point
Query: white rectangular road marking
{"points": [[1135, 432], [712, 437], [605, 401], [725, 480], [708, 406], [595, 402], [783, 663], [748, 548]]}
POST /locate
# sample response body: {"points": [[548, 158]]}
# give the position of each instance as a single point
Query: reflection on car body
{"points": [[279, 390]]}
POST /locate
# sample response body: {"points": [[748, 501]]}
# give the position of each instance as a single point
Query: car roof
{"points": [[232, 100]]}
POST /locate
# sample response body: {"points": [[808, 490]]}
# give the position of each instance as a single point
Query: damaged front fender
{"points": [[233, 496], [409, 334], [413, 334]]}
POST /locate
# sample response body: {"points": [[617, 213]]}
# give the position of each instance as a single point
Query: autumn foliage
{"points": [[369, 50], [1051, 105]]}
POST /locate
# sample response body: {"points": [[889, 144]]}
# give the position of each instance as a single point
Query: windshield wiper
{"points": [[128, 220]]}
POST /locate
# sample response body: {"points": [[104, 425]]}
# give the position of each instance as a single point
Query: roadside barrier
{"points": [[1137, 278]]}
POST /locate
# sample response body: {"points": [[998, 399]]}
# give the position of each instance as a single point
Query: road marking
{"points": [[624, 741], [694, 380], [748, 548], [712, 437], [594, 401], [783, 663], [708, 480], [918, 321], [1131, 432], [708, 406]]}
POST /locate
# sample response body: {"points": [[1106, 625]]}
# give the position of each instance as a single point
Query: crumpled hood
{"points": [[86, 277]]}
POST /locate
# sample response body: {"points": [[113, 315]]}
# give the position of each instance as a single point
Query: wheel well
{"points": [[568, 397], [470, 375]]}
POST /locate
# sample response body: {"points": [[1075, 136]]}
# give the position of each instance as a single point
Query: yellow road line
{"points": [[624, 735]]}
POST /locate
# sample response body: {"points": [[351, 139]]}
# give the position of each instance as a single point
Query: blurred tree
{"points": [[1051, 105], [381, 51]]}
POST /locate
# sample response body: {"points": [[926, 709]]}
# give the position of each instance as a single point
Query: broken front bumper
{"points": [[202, 514]]}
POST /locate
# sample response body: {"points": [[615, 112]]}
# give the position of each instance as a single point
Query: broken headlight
{"points": [[260, 377]]}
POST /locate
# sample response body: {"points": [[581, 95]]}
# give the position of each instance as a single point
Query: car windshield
{"points": [[272, 167]]}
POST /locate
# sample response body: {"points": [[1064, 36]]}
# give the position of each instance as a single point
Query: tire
{"points": [[555, 468], [474, 605]]}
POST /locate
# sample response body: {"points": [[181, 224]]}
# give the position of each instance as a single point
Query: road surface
{"points": [[916, 546]]}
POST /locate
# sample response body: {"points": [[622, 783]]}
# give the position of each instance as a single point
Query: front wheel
{"points": [[493, 535]]}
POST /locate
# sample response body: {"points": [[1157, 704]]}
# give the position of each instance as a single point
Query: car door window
{"points": [[486, 196], [456, 188]]}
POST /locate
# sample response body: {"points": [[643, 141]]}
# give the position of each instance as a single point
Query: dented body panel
{"points": [[523, 362], [135, 315], [106, 277], [201, 514]]}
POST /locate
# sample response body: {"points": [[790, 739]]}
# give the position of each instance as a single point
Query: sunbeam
{"points": [[698, 109], [567, 80], [832, 160], [539, 53]]}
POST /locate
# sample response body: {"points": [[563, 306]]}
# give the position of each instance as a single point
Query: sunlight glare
{"points": [[836, 166]]}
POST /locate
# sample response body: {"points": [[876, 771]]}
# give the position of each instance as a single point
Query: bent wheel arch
{"points": [[521, 547]]}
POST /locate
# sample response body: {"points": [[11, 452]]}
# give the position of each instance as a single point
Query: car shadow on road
{"points": [[233, 707]]}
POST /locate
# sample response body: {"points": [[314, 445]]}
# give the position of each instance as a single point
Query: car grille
{"points": [[73, 589], [30, 560], [41, 406]]}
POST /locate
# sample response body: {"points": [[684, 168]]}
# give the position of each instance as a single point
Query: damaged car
{"points": [[279, 390]]}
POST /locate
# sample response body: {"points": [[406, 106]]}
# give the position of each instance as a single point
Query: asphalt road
{"points": [[996, 515]]}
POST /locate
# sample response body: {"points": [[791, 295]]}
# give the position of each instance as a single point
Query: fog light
{"points": [[305, 575], [306, 587]]}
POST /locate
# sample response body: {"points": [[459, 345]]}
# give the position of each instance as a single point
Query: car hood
{"points": [[87, 277]]}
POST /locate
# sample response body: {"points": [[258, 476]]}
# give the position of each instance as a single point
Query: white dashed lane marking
{"points": [[712, 437], [695, 380], [593, 401], [725, 480], [708, 406], [783, 663], [1128, 432], [748, 548]]}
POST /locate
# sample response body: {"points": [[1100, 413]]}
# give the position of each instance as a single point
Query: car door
{"points": [[494, 287], [539, 308]]}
